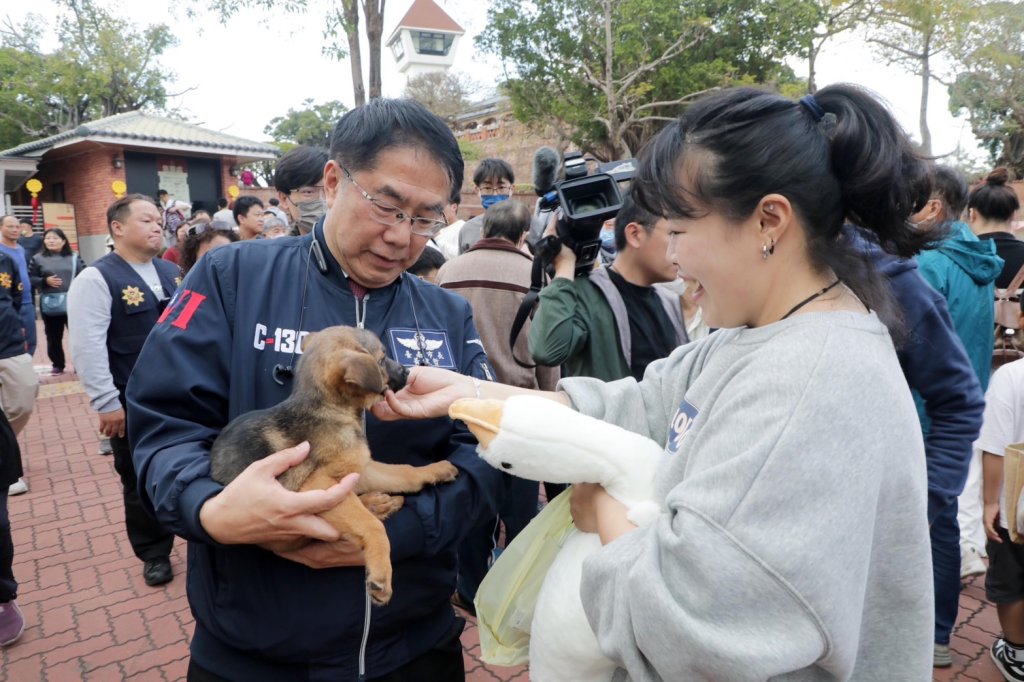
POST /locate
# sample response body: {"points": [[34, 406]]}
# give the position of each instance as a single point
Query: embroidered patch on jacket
{"points": [[423, 347], [680, 425], [132, 295]]}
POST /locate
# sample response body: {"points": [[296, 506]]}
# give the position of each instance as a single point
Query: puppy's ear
{"points": [[361, 371], [304, 344]]}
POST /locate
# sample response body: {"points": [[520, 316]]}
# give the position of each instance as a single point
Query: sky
{"points": [[236, 78]]}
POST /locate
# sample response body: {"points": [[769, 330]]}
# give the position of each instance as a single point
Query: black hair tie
{"points": [[808, 102]]}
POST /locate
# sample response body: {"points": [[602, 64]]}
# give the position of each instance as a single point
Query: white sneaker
{"points": [[18, 487], [970, 562]]}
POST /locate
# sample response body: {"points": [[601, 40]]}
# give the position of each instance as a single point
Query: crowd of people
{"points": [[779, 276]]}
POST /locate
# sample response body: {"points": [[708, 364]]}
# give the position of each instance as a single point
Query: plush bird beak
{"points": [[482, 417]]}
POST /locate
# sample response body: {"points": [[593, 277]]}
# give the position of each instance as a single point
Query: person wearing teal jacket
{"points": [[963, 269]]}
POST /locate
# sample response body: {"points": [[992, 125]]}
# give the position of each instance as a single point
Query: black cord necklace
{"points": [[810, 298]]}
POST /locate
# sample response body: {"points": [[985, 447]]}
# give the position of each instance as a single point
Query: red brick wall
{"points": [[87, 178]]}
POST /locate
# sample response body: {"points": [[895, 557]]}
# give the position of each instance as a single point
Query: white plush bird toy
{"points": [[542, 440]]}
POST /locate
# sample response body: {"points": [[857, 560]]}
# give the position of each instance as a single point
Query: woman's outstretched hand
{"points": [[428, 392]]}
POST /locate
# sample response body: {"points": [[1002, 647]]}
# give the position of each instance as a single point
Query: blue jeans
{"points": [[945, 535], [28, 319]]}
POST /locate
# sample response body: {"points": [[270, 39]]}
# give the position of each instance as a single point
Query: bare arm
{"points": [[430, 391], [992, 483]]}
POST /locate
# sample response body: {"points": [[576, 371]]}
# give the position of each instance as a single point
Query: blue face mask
{"points": [[608, 241], [488, 200]]}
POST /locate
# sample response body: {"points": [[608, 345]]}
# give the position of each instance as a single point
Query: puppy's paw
{"points": [[442, 472], [380, 591], [380, 504]]}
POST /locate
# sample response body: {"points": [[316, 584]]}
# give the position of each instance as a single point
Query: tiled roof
{"points": [[139, 128], [426, 15]]}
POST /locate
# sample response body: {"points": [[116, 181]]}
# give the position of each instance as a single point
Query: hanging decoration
{"points": [[34, 187], [119, 188]]}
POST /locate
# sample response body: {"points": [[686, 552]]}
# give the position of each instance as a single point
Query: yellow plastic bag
{"points": [[508, 594]]}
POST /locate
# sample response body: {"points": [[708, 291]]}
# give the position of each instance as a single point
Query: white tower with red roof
{"points": [[424, 40]]}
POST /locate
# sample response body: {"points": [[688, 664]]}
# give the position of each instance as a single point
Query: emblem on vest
{"points": [[132, 295], [680, 425], [413, 347], [5, 280]]}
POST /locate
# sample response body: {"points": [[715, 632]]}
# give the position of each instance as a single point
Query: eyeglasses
{"points": [[386, 214], [502, 188], [308, 193]]}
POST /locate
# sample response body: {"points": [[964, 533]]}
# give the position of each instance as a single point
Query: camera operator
{"points": [[613, 323]]}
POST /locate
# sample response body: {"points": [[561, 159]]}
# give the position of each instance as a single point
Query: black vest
{"points": [[133, 311]]}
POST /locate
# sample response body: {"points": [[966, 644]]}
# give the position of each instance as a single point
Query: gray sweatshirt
{"points": [[793, 542]]}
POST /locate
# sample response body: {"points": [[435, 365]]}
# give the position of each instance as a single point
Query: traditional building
{"points": [[84, 169], [424, 40]]}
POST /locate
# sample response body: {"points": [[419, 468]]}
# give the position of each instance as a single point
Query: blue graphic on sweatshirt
{"points": [[680, 426]]}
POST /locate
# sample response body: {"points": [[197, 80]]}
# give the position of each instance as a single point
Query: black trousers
{"points": [[8, 585], [443, 663], [148, 538], [53, 326]]}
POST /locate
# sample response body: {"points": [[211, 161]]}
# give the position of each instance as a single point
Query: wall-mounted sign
{"points": [[174, 179], [62, 216]]}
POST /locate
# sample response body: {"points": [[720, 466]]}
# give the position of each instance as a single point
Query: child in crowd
{"points": [[1004, 582]]}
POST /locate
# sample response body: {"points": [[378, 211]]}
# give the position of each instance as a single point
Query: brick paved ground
{"points": [[90, 616]]}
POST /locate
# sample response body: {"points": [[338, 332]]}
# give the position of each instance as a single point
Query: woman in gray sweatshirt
{"points": [[793, 540], [51, 271]]}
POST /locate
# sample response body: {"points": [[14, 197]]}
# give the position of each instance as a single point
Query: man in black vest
{"points": [[113, 304]]}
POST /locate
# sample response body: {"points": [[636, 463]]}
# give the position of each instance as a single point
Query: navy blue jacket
{"points": [[133, 311], [210, 358], [939, 372], [12, 330]]}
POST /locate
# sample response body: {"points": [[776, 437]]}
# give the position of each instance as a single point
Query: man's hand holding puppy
{"points": [[255, 508]]}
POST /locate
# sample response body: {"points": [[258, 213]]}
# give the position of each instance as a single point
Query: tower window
{"points": [[434, 43]]}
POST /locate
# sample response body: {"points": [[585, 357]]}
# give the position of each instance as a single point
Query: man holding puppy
{"points": [[233, 334]]}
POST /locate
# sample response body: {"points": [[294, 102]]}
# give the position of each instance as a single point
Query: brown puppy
{"points": [[343, 370]]}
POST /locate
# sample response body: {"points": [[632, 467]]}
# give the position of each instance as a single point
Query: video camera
{"points": [[586, 202]]}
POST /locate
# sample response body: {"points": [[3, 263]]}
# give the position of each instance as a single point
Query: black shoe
{"points": [[157, 572], [1003, 657]]}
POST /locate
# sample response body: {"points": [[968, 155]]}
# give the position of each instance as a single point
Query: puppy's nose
{"points": [[397, 374]]}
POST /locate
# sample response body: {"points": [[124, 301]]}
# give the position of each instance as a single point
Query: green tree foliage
{"points": [[914, 34], [990, 85], [104, 66], [312, 125], [607, 73], [445, 94]]}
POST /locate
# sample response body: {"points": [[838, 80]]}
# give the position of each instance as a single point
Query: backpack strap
{"points": [[1018, 279]]}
